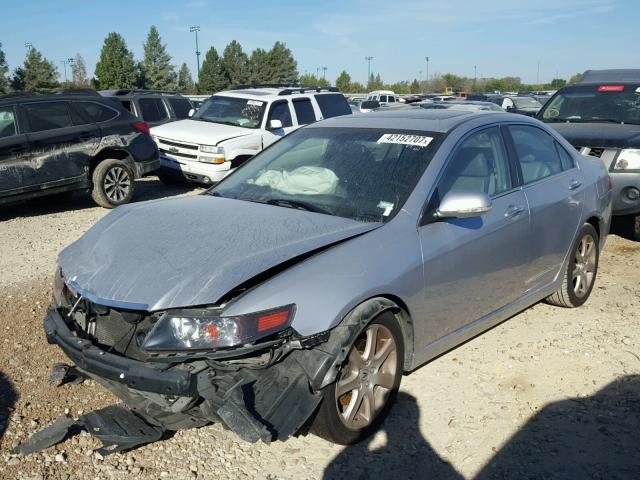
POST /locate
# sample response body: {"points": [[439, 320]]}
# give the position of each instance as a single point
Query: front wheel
{"points": [[354, 406], [581, 270], [113, 183]]}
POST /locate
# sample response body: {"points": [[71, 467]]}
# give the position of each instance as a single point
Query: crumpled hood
{"points": [[193, 250], [599, 134], [197, 131]]}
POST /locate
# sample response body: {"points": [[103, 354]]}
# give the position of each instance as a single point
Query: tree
{"points": [[343, 82], [259, 66], [557, 83], [575, 78], [281, 66], [40, 75], [79, 72], [116, 68], [235, 64], [156, 65], [375, 82], [211, 78], [4, 69], [415, 86], [357, 87], [185, 81], [17, 81]]}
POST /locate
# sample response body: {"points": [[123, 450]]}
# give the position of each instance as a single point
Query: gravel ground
{"points": [[551, 393]]}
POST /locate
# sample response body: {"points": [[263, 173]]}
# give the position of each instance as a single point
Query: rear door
{"points": [[278, 110], [16, 170], [555, 196], [474, 266], [62, 142], [305, 113]]}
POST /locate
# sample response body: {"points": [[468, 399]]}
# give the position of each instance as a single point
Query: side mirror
{"points": [[456, 204], [275, 124], [191, 112]]}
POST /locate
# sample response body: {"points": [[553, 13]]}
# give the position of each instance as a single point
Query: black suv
{"points": [[72, 140], [153, 106]]}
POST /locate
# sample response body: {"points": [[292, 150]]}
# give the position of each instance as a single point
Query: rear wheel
{"points": [[112, 183], [581, 270], [354, 406]]}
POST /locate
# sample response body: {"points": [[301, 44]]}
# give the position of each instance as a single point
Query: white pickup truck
{"points": [[232, 126]]}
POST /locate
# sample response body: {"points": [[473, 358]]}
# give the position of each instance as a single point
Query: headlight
{"points": [[201, 329], [628, 159], [212, 149]]}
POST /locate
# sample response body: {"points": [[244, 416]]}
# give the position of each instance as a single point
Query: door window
{"points": [[565, 158], [280, 111], [181, 106], [332, 104], [480, 164], [7, 122], [536, 152], [152, 109], [48, 116], [96, 112], [304, 111]]}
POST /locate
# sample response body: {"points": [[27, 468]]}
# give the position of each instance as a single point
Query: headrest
{"points": [[473, 162]]}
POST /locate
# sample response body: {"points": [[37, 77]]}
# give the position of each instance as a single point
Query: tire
{"points": [[342, 417], [635, 228], [169, 177], [113, 183], [580, 273]]}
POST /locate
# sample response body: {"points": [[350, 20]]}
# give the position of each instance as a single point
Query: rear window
{"points": [[180, 106], [333, 105], [48, 116], [152, 109], [304, 111], [95, 112]]}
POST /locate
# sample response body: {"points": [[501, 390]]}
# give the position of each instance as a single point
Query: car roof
{"points": [[621, 75], [262, 92], [25, 97], [132, 92], [410, 119]]}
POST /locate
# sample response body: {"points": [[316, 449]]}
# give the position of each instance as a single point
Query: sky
{"points": [[535, 40]]}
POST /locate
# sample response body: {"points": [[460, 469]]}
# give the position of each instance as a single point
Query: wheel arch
{"points": [[113, 153]]}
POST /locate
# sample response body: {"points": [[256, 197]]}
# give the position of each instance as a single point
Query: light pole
{"points": [[538, 74], [324, 73], [68, 61], [475, 76], [427, 76], [28, 45], [368, 59], [195, 29]]}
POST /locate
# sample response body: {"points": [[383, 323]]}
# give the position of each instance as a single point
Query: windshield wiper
{"points": [[281, 202]]}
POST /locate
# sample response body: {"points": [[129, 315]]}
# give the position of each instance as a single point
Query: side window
{"points": [[332, 104], [304, 111], [7, 122], [480, 164], [383, 98], [152, 109], [392, 99], [280, 111], [48, 116], [180, 106], [565, 159], [536, 152], [96, 112], [127, 105]]}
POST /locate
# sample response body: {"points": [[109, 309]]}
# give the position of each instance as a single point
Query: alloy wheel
{"points": [[117, 184], [367, 378], [584, 269]]}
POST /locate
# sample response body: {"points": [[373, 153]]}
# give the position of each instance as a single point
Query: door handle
{"points": [[513, 211], [575, 184]]}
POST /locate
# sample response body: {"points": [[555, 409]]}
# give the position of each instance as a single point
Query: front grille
{"points": [[179, 154], [179, 145]]}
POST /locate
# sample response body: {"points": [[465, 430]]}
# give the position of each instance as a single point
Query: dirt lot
{"points": [[551, 393]]}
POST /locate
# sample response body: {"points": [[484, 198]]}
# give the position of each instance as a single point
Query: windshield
{"points": [[362, 174], [526, 102], [240, 112], [587, 104]]}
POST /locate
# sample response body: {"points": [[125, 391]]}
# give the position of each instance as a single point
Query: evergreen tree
{"points": [[17, 81], [235, 64], [211, 78], [185, 81], [79, 72], [116, 68], [357, 87], [343, 82], [259, 66], [415, 86], [375, 83], [4, 69], [281, 66], [40, 75], [157, 68]]}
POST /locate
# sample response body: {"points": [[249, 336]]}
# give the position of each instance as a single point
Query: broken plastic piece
{"points": [[118, 429], [61, 374]]}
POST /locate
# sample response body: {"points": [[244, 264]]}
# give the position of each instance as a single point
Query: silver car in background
{"points": [[306, 283]]}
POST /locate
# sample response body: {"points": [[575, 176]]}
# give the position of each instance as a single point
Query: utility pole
{"points": [[427, 76], [324, 73], [28, 45], [195, 29], [68, 61], [368, 59], [538, 74], [318, 73], [475, 76]]}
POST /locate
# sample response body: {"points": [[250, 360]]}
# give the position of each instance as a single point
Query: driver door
{"points": [[278, 110]]}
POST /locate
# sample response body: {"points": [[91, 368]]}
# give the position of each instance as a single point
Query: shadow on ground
{"points": [[623, 227], [8, 397], [595, 437], [149, 188]]}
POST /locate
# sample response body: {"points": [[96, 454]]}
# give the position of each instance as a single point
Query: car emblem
{"points": [[173, 150]]}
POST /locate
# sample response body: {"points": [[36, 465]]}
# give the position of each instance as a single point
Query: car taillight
{"points": [[611, 88], [141, 127]]}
